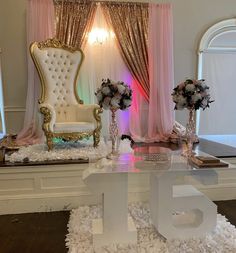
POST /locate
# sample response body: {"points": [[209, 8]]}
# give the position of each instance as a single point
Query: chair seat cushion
{"points": [[69, 127]]}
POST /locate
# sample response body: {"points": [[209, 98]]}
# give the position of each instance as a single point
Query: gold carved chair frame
{"points": [[47, 113]]}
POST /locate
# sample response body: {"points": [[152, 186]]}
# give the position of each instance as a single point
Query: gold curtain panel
{"points": [[130, 24], [73, 20]]}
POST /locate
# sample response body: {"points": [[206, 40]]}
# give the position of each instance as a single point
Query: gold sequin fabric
{"points": [[74, 19], [130, 24]]}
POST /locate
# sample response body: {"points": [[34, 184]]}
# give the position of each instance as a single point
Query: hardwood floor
{"points": [[216, 149], [45, 232], [228, 209], [34, 233]]}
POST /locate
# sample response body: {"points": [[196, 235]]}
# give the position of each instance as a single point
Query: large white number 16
{"points": [[179, 211]]}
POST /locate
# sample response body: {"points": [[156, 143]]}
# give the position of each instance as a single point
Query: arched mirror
{"points": [[217, 65]]}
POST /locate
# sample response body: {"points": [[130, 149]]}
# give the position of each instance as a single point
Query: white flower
{"points": [[181, 103], [204, 86], [176, 98], [190, 87], [196, 97], [127, 102], [121, 88], [182, 100], [127, 91], [115, 102], [106, 90]]}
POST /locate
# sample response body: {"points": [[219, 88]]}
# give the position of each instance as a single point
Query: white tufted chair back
{"points": [[64, 114], [59, 71]]}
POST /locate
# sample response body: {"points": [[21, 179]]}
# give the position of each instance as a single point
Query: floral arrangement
{"points": [[114, 95], [191, 94]]}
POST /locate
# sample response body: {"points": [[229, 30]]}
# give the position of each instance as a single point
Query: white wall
{"points": [[13, 45], [191, 20]]}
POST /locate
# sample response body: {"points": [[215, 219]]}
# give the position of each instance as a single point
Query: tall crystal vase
{"points": [[113, 129], [190, 134]]}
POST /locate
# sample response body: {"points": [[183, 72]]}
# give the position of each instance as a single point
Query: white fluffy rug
{"points": [[66, 151], [79, 239]]}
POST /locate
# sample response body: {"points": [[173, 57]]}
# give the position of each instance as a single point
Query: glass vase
{"points": [[113, 130], [190, 134]]}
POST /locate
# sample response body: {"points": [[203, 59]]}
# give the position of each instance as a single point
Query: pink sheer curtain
{"points": [[138, 124], [160, 53], [40, 26], [153, 121]]}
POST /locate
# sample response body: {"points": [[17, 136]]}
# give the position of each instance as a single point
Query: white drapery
{"points": [[102, 61], [40, 26], [220, 75]]}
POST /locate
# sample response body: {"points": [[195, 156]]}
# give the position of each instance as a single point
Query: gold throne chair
{"points": [[64, 114]]}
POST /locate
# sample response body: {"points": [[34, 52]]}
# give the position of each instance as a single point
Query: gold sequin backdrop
{"points": [[129, 21], [74, 19]]}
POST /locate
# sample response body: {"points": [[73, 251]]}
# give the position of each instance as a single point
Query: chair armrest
{"points": [[49, 118], [88, 113]]}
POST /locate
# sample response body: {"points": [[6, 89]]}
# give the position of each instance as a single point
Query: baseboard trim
{"points": [[10, 109]]}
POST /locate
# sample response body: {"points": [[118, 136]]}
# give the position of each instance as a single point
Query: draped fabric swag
{"points": [[73, 20], [40, 26], [144, 37], [130, 24]]}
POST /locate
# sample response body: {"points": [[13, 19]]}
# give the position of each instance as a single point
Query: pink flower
{"points": [[106, 103], [204, 93], [181, 86], [117, 96]]}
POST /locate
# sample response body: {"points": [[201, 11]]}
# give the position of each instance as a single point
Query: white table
{"points": [[178, 210]]}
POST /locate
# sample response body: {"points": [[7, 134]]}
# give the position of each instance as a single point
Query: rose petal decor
{"points": [[66, 151], [79, 237]]}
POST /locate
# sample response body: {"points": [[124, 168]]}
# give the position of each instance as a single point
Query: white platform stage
{"points": [[229, 140], [44, 188]]}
